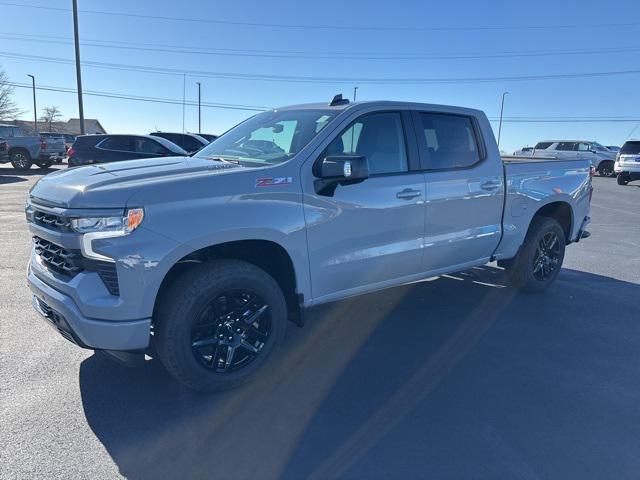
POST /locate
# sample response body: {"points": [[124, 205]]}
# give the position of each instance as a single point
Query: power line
{"points": [[170, 101], [321, 80], [96, 93], [331, 27], [182, 49]]}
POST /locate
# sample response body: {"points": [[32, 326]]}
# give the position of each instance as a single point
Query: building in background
{"points": [[72, 126]]}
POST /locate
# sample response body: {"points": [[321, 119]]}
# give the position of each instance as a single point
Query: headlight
{"points": [[125, 225], [95, 228]]}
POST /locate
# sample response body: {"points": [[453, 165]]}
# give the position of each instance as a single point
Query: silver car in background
{"points": [[602, 159]]}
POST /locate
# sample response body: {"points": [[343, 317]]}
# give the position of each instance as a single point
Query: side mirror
{"points": [[339, 170]]}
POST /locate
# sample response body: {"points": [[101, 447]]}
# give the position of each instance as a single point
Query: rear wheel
{"points": [[622, 179], [219, 323], [541, 255], [605, 169], [44, 164], [20, 159]]}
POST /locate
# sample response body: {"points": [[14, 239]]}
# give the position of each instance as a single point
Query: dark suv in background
{"points": [[113, 148], [188, 141], [208, 136]]}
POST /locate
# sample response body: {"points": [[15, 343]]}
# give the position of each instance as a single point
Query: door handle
{"points": [[408, 194], [490, 185]]}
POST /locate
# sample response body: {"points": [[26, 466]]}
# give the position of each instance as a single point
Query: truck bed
{"points": [[532, 182]]}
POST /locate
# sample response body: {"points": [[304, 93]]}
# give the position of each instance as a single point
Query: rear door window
{"points": [[146, 145], [566, 146], [450, 141], [543, 145], [120, 143]]}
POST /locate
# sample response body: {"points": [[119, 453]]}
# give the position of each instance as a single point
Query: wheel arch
{"points": [[562, 212], [268, 255]]}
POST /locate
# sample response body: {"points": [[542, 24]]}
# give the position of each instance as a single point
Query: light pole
{"points": [[199, 117], [35, 110], [78, 74], [504, 94], [355, 91]]}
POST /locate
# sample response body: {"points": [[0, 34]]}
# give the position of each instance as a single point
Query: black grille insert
{"points": [[58, 259], [52, 221], [109, 276], [69, 263]]}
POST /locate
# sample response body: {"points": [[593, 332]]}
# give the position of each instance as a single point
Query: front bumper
{"points": [[62, 313]]}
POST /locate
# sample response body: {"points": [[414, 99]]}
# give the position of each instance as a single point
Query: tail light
{"points": [[43, 144], [71, 152]]}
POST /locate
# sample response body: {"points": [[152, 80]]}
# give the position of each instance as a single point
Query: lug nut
{"points": [[220, 336], [230, 338]]}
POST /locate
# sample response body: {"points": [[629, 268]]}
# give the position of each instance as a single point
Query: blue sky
{"points": [[604, 33]]}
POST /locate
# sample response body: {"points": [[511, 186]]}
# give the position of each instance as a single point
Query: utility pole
{"points": [[199, 117], [355, 91], [504, 94], [35, 110], [184, 89], [78, 73]]}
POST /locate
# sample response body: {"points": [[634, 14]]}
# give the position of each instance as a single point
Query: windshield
{"points": [[268, 138], [631, 148], [600, 148]]}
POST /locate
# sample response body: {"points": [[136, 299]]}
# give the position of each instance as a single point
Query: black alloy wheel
{"points": [[547, 256], [231, 331]]}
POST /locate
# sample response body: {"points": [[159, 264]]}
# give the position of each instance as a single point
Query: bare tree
{"points": [[50, 115], [8, 108]]}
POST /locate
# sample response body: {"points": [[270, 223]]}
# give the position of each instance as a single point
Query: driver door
{"points": [[368, 234]]}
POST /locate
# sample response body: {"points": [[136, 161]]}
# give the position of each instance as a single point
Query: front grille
{"points": [[52, 221], [109, 276], [58, 259]]}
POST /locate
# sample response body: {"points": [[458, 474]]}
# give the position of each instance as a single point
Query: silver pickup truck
{"points": [[25, 151], [201, 260]]}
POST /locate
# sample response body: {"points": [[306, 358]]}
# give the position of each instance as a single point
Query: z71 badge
{"points": [[273, 182]]}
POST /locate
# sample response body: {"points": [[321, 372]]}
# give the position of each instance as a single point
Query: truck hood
{"points": [[110, 185]]}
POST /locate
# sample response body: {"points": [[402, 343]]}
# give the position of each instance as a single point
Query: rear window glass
{"points": [[631, 148], [450, 141]]}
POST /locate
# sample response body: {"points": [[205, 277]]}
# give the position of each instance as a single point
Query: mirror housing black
{"points": [[337, 170]]}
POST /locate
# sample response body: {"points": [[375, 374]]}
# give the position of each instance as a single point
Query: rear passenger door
{"points": [[566, 150], [464, 191]]}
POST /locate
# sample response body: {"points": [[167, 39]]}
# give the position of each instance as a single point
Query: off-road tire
{"points": [[181, 306], [520, 270]]}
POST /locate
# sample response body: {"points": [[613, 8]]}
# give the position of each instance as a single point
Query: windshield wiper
{"points": [[224, 160]]}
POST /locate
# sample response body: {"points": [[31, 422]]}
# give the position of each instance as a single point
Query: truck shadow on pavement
{"points": [[441, 379]]}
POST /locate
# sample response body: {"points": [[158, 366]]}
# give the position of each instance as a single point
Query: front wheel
{"points": [[540, 258], [218, 324]]}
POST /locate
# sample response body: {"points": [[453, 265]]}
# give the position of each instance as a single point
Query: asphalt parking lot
{"points": [[457, 377]]}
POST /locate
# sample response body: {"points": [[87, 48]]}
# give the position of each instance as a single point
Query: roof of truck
{"points": [[379, 103]]}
